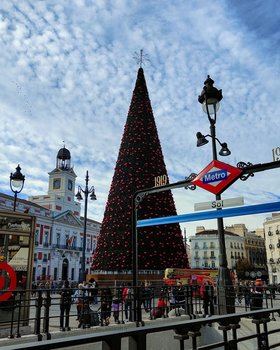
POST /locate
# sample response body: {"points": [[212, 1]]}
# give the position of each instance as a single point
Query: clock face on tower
{"points": [[56, 184], [70, 185]]}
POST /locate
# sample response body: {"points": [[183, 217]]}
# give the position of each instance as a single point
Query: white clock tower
{"points": [[61, 190]]}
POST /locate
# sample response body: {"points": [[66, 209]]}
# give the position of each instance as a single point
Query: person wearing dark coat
{"points": [[65, 306]]}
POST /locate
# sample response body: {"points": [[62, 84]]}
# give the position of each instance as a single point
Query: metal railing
{"points": [[46, 310], [185, 330]]}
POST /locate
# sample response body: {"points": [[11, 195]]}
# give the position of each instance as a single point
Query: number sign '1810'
{"points": [[160, 180]]}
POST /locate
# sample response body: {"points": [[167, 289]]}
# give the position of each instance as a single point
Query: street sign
{"points": [[217, 177], [223, 203]]}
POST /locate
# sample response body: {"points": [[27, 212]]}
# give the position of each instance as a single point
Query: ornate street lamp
{"points": [[16, 183], [210, 98], [79, 197]]}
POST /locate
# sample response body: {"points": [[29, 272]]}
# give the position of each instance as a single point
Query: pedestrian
{"points": [[127, 299], [207, 294], [65, 306], [94, 291], [257, 295], [105, 307], [179, 296], [160, 310], [78, 299], [147, 296], [116, 303]]}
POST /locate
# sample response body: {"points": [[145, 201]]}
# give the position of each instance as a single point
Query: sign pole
{"points": [[225, 286]]}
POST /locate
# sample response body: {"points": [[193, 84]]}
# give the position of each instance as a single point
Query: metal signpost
{"points": [[246, 170]]}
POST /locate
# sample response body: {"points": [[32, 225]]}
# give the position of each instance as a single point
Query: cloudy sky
{"points": [[67, 73]]}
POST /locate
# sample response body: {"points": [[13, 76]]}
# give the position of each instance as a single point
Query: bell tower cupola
{"points": [[63, 159]]}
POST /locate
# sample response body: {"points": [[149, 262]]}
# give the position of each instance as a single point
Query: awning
{"points": [[20, 260]]}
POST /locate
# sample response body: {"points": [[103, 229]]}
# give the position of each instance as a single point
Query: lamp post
{"points": [[210, 98], [16, 183], [86, 191]]}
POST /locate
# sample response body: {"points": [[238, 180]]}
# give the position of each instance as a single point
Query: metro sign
{"points": [[217, 177]]}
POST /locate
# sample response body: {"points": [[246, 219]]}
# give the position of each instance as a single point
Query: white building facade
{"points": [[205, 249], [59, 226], [272, 245]]}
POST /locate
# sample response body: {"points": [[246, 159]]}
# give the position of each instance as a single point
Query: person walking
{"points": [[116, 309], [65, 306], [207, 294], [105, 308], [127, 299], [257, 295]]}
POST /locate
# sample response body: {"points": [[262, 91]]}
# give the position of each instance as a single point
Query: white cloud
{"points": [[67, 73]]}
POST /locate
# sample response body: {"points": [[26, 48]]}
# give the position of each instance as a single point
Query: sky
{"points": [[67, 74]]}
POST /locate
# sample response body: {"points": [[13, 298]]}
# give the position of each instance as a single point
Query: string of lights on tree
{"points": [[139, 161]]}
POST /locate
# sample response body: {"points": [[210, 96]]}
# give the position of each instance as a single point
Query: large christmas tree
{"points": [[140, 160]]}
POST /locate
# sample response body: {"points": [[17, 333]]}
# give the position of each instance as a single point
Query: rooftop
{"points": [[23, 201], [215, 232]]}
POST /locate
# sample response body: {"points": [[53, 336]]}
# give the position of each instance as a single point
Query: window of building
{"points": [[204, 245], [37, 236], [70, 187], [212, 254], [237, 245], [212, 245], [58, 238], [196, 254], [206, 264], [196, 264], [72, 274], [44, 272], [205, 254], [213, 264], [231, 244], [55, 273], [196, 246]]}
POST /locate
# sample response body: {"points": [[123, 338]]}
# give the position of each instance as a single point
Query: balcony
{"points": [[66, 247], [206, 257], [212, 257], [196, 257], [46, 244]]}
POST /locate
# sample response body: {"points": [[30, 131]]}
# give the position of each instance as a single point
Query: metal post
{"points": [[15, 200], [83, 272], [134, 257], [224, 285]]}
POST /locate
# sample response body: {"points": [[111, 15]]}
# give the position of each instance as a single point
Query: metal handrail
{"points": [[227, 322]]}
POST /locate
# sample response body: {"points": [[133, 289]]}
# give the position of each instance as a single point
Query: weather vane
{"points": [[141, 58]]}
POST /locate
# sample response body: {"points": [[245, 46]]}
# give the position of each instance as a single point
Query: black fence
{"points": [[45, 310]]}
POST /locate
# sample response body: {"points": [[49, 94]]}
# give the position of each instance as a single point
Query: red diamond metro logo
{"points": [[217, 177]]}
